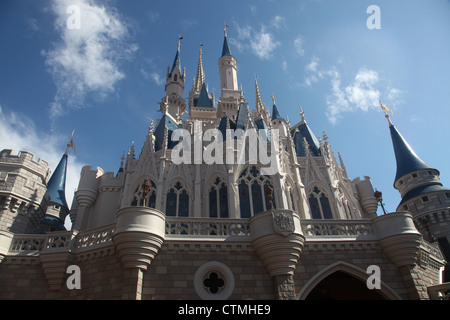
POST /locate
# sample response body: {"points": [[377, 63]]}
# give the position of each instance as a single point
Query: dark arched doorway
{"points": [[342, 286]]}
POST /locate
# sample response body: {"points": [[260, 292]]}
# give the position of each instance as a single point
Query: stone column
{"points": [[278, 240], [139, 234], [400, 241]]}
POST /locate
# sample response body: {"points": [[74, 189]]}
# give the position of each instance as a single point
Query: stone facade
{"points": [[158, 229]]}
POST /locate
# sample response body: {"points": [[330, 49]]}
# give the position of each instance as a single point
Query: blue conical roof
{"points": [[275, 113], [176, 62], [226, 48], [166, 122], [56, 186], [407, 159], [303, 131], [204, 100]]}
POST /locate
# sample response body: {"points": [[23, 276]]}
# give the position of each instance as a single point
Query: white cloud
{"points": [[361, 94], [18, 132], [278, 22], [299, 45], [312, 72], [86, 60], [261, 43]]}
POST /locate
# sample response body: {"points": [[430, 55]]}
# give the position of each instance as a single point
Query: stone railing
{"points": [[337, 228], [214, 228], [206, 227], [68, 240], [439, 292]]}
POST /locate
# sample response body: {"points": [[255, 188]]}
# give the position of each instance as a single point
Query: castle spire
{"points": [[259, 104], [407, 160], [57, 209], [226, 47], [176, 61], [200, 77], [275, 113]]}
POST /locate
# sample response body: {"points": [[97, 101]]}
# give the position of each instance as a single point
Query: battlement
{"points": [[25, 158]]}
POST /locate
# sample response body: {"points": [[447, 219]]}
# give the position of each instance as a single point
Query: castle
{"points": [[161, 228]]}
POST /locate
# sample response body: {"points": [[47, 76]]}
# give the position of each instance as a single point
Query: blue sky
{"points": [[104, 79]]}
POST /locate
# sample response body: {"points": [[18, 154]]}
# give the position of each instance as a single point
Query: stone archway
{"points": [[343, 281], [342, 286]]}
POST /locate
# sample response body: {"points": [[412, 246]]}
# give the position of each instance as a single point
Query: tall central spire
{"points": [[200, 77]]}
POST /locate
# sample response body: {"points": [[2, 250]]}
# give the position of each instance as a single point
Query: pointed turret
{"points": [[275, 113], [301, 130], [176, 65], [226, 47], [201, 103], [414, 177], [407, 159], [174, 88], [200, 76], [229, 92], [56, 186], [57, 208]]}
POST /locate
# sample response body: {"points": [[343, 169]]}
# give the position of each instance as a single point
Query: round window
{"points": [[214, 281]]}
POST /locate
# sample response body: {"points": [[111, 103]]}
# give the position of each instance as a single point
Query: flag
{"points": [[227, 26], [386, 108], [72, 145]]}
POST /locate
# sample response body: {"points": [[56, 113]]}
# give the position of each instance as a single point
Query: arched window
{"points": [[319, 205], [218, 200], [256, 193], [145, 195], [177, 201]]}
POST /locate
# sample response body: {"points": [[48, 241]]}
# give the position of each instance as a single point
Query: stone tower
{"points": [[422, 194]]}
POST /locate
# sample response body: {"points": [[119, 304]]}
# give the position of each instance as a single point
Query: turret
{"points": [[57, 208], [201, 103], [174, 88], [230, 94]]}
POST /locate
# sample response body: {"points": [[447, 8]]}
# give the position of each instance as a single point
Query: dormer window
{"points": [[425, 199], [414, 175]]}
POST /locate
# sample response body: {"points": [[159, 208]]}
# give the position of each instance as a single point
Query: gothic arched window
{"points": [[145, 195], [256, 193], [177, 201], [319, 204], [218, 200]]}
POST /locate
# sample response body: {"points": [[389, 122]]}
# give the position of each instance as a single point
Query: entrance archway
{"points": [[342, 286], [339, 280]]}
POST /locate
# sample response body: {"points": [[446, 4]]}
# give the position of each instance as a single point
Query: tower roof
{"points": [[176, 61], [169, 124], [407, 159], [200, 76], [226, 48], [275, 113], [204, 100], [56, 186]]}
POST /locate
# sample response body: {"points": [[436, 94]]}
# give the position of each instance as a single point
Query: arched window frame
{"points": [[217, 189], [145, 194], [319, 195], [182, 200], [252, 183]]}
